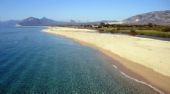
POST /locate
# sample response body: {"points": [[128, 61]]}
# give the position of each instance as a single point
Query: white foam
{"points": [[141, 82], [115, 66]]}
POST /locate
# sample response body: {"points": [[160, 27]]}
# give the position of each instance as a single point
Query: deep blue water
{"points": [[34, 62]]}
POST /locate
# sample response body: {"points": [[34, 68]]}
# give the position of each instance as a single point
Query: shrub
{"points": [[118, 28], [154, 33], [150, 24], [112, 30], [166, 29], [101, 30], [133, 32]]}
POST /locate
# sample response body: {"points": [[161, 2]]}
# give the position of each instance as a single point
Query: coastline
{"points": [[128, 68]]}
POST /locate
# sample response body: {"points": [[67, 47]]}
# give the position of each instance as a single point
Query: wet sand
{"points": [[141, 58]]}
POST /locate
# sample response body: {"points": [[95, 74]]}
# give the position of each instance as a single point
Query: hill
{"points": [[156, 17]]}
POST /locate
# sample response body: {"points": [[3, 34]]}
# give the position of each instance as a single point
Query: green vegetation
{"points": [[149, 30], [133, 32]]}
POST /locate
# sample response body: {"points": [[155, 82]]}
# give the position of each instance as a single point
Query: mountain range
{"points": [[156, 17], [32, 21]]}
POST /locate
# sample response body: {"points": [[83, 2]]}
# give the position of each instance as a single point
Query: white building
{"points": [[114, 22]]}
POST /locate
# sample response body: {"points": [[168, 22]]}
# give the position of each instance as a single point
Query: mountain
{"points": [[156, 17], [31, 21], [46, 21]]}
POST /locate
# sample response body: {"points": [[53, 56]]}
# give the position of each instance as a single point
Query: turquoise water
{"points": [[34, 62]]}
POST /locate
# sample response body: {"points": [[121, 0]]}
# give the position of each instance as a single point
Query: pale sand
{"points": [[150, 53]]}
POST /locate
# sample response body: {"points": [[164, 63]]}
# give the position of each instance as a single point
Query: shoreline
{"points": [[128, 73], [130, 69]]}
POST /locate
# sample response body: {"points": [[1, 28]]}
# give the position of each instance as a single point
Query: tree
{"points": [[102, 24], [150, 24]]}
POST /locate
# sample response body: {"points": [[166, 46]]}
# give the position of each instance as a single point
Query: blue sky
{"points": [[79, 10]]}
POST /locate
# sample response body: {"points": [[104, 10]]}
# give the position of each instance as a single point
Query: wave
{"points": [[139, 81]]}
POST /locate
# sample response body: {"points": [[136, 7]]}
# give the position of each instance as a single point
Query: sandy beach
{"points": [[142, 58]]}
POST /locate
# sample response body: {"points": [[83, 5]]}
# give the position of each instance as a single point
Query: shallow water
{"points": [[34, 62]]}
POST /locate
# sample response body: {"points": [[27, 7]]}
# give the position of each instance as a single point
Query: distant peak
{"points": [[31, 18], [44, 18]]}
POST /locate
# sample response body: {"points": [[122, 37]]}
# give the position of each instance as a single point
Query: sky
{"points": [[79, 10]]}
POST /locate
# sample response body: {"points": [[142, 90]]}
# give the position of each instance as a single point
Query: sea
{"points": [[35, 62]]}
